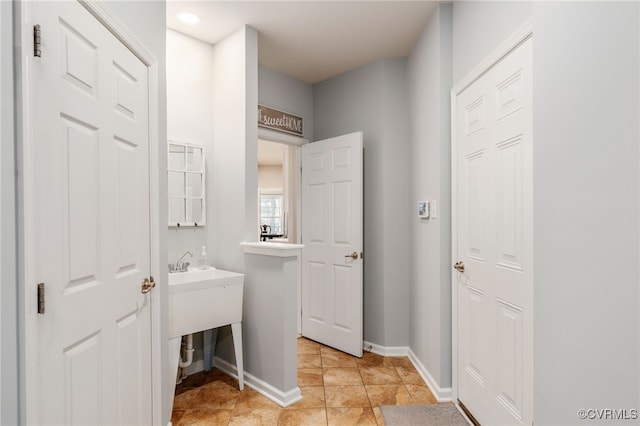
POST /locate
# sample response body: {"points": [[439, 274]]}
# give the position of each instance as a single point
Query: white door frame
{"points": [[27, 216], [511, 43]]}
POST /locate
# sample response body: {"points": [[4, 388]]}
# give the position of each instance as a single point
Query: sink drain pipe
{"points": [[186, 350]]}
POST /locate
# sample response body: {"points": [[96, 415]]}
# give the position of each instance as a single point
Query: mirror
{"points": [[186, 193]]}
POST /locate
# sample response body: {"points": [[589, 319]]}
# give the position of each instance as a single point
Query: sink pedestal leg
{"points": [[236, 330]]}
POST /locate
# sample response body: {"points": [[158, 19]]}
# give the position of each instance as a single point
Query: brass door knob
{"points": [[147, 285], [459, 266], [353, 255]]}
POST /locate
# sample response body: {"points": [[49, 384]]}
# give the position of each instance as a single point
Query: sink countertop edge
{"points": [[185, 279]]}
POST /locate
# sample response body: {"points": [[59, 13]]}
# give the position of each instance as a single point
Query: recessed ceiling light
{"points": [[189, 18]]}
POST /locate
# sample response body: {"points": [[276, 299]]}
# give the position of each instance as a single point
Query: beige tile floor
{"points": [[337, 389]]}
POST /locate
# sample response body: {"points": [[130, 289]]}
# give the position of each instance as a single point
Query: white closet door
{"points": [[89, 99], [495, 241]]}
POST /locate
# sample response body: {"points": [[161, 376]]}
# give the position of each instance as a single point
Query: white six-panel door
{"points": [[331, 233], [494, 224], [89, 105]]}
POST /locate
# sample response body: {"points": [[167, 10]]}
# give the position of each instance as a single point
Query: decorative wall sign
{"points": [[279, 120]]}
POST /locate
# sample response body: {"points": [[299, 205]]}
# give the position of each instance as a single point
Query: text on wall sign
{"points": [[278, 120]]}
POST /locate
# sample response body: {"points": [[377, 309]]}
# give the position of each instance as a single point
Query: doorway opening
{"points": [[278, 198], [279, 176]]}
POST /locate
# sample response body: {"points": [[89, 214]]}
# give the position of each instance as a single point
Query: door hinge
{"points": [[41, 298], [37, 41]]}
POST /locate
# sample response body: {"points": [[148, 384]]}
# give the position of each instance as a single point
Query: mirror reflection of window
{"points": [[272, 212]]}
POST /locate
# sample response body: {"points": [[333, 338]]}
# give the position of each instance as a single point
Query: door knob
{"points": [[147, 285], [353, 255], [459, 266]]}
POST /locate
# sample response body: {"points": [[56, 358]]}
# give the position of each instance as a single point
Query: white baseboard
{"points": [[441, 394], [283, 399], [385, 350]]}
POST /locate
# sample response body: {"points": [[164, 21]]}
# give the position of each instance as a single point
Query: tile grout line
{"points": [[404, 385]]}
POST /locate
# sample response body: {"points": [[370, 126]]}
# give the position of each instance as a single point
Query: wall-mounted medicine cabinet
{"points": [[186, 180]]}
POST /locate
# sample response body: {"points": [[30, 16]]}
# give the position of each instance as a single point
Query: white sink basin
{"points": [[192, 275], [204, 299]]}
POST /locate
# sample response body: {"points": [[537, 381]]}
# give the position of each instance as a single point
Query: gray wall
{"points": [[429, 82], [288, 94], [269, 320], [220, 83], [586, 188], [372, 99], [232, 183], [233, 178], [191, 67], [190, 98], [479, 27], [586, 194], [9, 389]]}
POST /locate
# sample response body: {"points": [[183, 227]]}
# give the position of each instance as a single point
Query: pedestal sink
{"points": [[202, 300]]}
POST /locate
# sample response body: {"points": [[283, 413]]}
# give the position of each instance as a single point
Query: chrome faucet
{"points": [[179, 265]]}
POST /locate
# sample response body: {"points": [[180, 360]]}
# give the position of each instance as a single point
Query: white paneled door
{"points": [[89, 105], [494, 226], [332, 236]]}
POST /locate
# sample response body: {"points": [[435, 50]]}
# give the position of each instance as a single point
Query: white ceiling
{"points": [[311, 40]]}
